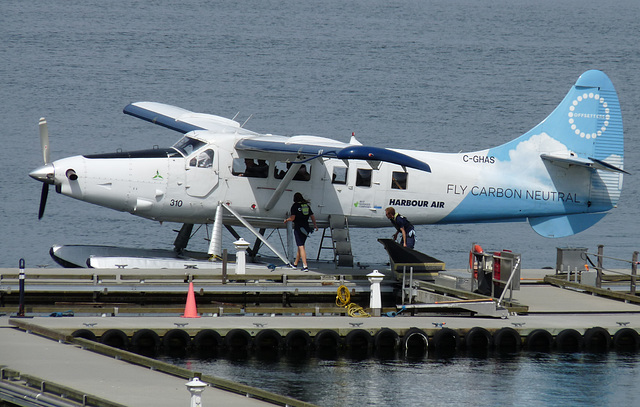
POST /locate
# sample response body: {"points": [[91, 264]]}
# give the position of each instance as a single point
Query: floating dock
{"points": [[279, 313]]}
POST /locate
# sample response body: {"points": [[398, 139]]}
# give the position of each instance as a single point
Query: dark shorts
{"points": [[411, 242], [300, 236]]}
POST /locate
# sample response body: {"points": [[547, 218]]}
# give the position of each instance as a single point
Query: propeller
{"points": [[43, 199], [45, 173], [44, 140]]}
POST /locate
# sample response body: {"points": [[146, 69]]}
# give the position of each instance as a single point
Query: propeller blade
{"points": [[44, 139], [43, 199]]}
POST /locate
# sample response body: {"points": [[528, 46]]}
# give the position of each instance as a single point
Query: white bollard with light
{"points": [[375, 304], [196, 387], [241, 255]]}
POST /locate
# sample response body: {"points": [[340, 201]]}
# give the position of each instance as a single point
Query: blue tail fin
{"points": [[580, 143], [588, 122]]}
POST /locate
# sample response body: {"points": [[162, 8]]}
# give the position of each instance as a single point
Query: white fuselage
{"points": [[178, 189]]}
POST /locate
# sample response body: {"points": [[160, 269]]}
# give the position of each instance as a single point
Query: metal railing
{"points": [[487, 261], [599, 266], [579, 274]]}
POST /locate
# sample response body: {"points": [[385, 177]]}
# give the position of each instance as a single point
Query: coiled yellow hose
{"points": [[353, 310]]}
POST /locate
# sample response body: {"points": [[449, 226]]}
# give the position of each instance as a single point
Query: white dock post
{"points": [[196, 387], [375, 304], [241, 255]]}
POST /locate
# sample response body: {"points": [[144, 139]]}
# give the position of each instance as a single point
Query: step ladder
{"points": [[340, 241]]}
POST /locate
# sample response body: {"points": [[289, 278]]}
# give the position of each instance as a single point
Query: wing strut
{"points": [[255, 232], [282, 186]]}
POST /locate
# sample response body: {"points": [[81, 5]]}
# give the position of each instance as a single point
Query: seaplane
{"points": [[562, 176]]}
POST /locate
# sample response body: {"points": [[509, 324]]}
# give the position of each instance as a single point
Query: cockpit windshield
{"points": [[188, 145]]}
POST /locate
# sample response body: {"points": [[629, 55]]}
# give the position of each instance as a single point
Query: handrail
{"points": [[509, 281], [600, 267], [608, 257]]}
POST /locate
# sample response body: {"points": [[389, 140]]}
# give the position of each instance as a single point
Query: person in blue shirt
{"points": [[300, 214], [403, 226]]}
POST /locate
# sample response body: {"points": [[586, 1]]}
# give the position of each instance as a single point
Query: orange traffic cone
{"points": [[190, 310]]}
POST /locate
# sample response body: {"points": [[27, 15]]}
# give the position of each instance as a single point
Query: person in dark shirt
{"points": [[403, 226], [300, 214]]}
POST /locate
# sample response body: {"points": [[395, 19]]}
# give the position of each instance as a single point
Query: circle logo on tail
{"points": [[575, 116]]}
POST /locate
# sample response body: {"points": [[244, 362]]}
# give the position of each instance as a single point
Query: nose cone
{"points": [[45, 174]]}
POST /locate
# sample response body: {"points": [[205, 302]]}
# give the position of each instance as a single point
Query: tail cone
{"points": [[190, 310]]}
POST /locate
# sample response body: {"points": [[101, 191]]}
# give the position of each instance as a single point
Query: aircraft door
{"points": [[336, 193], [201, 172], [365, 183]]}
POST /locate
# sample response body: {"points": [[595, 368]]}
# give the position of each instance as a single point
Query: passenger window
{"points": [[281, 168], [203, 160], [339, 175], [363, 177], [250, 167], [399, 180]]}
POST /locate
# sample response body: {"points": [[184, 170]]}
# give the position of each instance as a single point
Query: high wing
{"points": [[323, 147], [182, 120], [185, 121]]}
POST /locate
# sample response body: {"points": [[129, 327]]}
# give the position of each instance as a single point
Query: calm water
{"points": [[529, 379], [437, 75]]}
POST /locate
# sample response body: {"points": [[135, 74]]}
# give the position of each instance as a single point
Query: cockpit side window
{"points": [[188, 145], [204, 159], [399, 180]]}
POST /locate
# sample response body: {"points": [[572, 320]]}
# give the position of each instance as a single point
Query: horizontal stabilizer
{"points": [[592, 163], [565, 225], [601, 165]]}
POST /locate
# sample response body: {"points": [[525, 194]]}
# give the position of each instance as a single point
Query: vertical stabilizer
{"points": [[586, 124], [564, 174]]}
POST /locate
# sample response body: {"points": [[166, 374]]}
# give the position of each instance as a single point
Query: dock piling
{"points": [[634, 272], [22, 277]]}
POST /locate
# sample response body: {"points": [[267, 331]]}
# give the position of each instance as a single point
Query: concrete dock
{"points": [[106, 378]]}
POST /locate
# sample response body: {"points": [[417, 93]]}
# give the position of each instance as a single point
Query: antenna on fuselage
{"points": [[234, 117], [248, 118]]}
